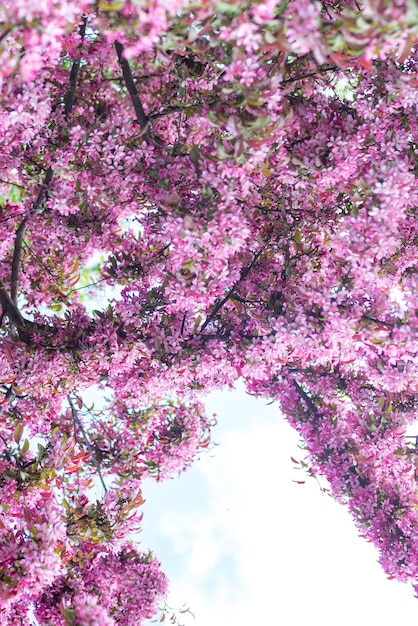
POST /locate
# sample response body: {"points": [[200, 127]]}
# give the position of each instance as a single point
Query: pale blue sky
{"points": [[242, 544]]}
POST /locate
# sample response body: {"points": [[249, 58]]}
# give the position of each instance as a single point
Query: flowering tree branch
{"points": [[9, 309], [318, 71], [75, 70], [230, 293], [69, 100], [89, 447], [17, 251], [141, 118], [308, 400]]}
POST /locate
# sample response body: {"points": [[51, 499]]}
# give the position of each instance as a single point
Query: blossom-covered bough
{"points": [[237, 180]]}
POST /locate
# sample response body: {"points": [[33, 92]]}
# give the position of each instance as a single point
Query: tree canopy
{"points": [[232, 187]]}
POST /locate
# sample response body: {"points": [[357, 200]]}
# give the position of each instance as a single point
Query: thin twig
{"points": [[8, 182], [5, 33], [230, 293], [176, 109], [89, 447], [6, 449], [310, 74], [141, 118], [368, 318], [97, 282]]}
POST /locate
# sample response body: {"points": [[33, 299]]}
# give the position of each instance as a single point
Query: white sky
{"points": [[244, 545]]}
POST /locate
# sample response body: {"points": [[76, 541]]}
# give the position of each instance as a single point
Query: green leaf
{"points": [[41, 452], [18, 432], [10, 473], [115, 6], [194, 155]]}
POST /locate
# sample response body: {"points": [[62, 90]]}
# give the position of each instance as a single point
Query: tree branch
{"points": [[8, 182], [5, 33], [230, 293], [321, 70], [141, 118], [75, 70], [308, 400], [10, 310], [368, 318], [17, 252], [77, 421]]}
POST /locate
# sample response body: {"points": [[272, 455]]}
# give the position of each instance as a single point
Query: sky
{"points": [[243, 544]]}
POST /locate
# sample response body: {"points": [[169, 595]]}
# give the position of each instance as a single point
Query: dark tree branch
{"points": [[8, 182], [5, 33], [321, 70], [7, 452], [17, 252], [230, 293], [69, 98], [10, 310], [368, 318], [141, 118], [183, 324], [89, 447], [308, 400], [178, 109]]}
